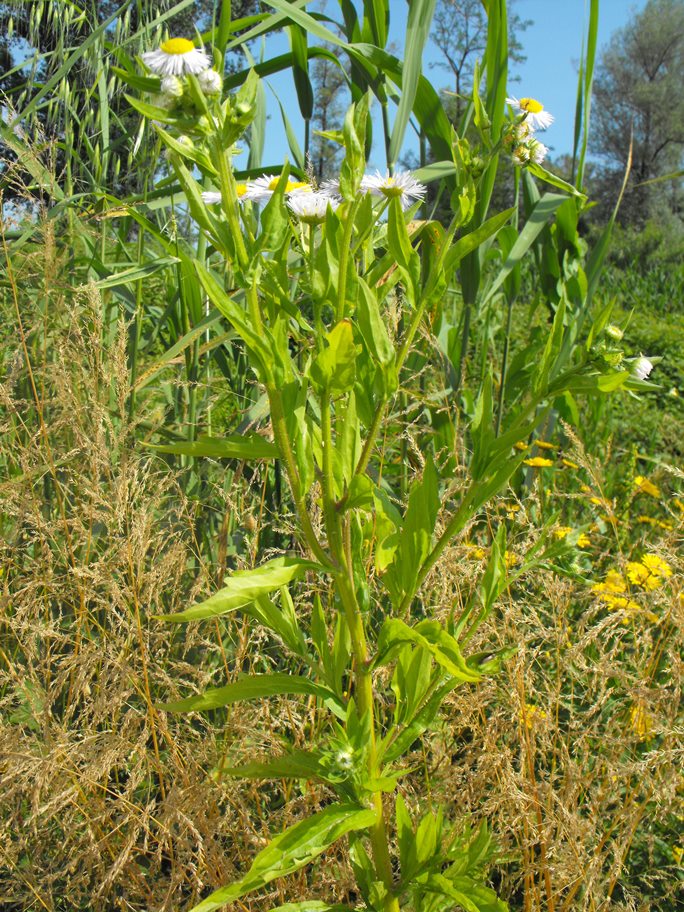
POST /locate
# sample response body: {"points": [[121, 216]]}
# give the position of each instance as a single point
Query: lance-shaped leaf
{"points": [[470, 895], [135, 273], [292, 850], [416, 534], [310, 905], [431, 636], [237, 317], [253, 687], [417, 32], [234, 446], [245, 586], [295, 765], [335, 366]]}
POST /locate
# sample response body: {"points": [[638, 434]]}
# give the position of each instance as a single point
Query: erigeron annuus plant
{"points": [[330, 292]]}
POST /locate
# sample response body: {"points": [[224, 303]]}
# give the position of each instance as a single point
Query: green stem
{"points": [[504, 364], [363, 690], [230, 203], [374, 429], [284, 445], [344, 261], [340, 546]]}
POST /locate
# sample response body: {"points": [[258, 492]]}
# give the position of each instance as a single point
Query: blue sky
{"points": [[552, 45]]}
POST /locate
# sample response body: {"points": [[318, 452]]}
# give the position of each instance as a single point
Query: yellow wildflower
{"points": [[678, 853], [520, 445], [511, 509], [511, 559], [679, 503], [644, 486], [659, 523], [649, 573], [475, 552], [545, 445], [642, 722], [657, 565], [529, 713], [583, 540], [638, 575], [612, 583], [569, 463], [620, 602], [538, 462]]}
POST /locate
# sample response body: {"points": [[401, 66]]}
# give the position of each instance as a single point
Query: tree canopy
{"points": [[638, 100]]}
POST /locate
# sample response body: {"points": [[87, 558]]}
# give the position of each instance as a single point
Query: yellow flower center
{"points": [[290, 186], [531, 105], [390, 188], [241, 189], [177, 46]]}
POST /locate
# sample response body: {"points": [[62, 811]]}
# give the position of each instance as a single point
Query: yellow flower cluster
{"points": [[538, 462], [583, 540], [648, 573], [529, 713], [658, 523]]}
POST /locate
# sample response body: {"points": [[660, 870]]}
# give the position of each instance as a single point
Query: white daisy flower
{"points": [[402, 185], [641, 368], [311, 207], [538, 151], [536, 117], [331, 187], [176, 57], [213, 197], [210, 82], [262, 189]]}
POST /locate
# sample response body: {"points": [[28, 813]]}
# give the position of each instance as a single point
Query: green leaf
{"points": [[399, 740], [334, 368], [237, 317], [293, 849], [540, 215], [235, 446], [472, 241], [244, 586], [431, 636], [417, 33], [415, 536], [482, 430], [473, 897], [544, 368], [135, 273], [354, 163], [296, 765], [253, 687], [550, 178], [311, 905], [372, 325]]}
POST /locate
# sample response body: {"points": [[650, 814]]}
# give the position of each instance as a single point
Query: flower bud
{"points": [[614, 332], [641, 368], [210, 82], [538, 151], [520, 155], [172, 86]]}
